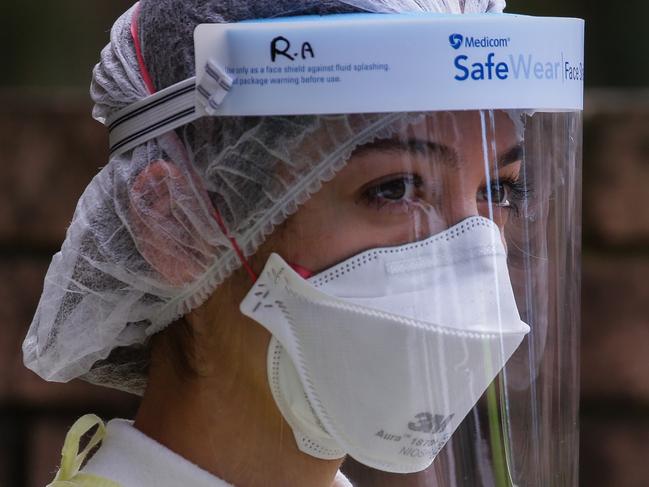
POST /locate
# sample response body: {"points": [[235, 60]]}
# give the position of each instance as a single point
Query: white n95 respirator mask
{"points": [[383, 355]]}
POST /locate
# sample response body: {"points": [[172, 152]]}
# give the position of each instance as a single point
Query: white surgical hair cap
{"points": [[106, 292], [436, 6]]}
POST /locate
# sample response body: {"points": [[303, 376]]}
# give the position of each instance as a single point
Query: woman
{"points": [[162, 285]]}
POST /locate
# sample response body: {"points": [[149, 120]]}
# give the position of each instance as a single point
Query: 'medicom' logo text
{"points": [[458, 40]]}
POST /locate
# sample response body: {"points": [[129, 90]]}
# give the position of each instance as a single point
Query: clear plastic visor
{"points": [[424, 305]]}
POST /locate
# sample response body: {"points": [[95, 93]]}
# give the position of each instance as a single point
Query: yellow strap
{"points": [[71, 460]]}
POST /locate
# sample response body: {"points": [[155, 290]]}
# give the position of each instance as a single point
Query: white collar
{"points": [[132, 459]]}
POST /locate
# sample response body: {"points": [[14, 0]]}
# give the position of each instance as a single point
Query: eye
{"points": [[390, 190], [508, 193], [498, 193]]}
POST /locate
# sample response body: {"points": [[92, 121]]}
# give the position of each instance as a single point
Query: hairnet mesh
{"points": [[144, 247], [436, 6]]}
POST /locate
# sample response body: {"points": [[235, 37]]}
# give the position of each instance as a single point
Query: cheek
{"points": [[320, 246], [314, 236], [316, 239]]}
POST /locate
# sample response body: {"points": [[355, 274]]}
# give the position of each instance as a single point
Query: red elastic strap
{"points": [[146, 77], [135, 32], [302, 271], [235, 246]]}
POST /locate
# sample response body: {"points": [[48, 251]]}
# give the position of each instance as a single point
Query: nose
{"points": [[436, 218], [464, 208], [459, 208]]}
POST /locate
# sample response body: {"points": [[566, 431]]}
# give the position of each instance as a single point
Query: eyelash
{"points": [[517, 192]]}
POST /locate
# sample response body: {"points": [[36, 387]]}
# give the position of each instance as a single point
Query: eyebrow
{"points": [[426, 147]]}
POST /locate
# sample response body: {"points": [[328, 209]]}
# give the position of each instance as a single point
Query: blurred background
{"points": [[51, 148]]}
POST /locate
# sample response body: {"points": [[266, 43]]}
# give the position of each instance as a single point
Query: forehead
{"points": [[458, 137], [464, 130]]}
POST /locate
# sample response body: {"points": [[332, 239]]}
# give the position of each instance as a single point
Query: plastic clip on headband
{"points": [[167, 109]]}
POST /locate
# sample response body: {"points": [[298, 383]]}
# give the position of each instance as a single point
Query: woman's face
{"points": [[431, 175]]}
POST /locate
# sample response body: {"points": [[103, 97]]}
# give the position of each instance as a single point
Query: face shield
{"points": [[413, 261]]}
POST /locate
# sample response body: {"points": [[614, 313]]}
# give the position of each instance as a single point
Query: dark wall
{"points": [[56, 42], [616, 44]]}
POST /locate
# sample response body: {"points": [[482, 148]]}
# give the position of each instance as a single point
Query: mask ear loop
{"points": [[146, 77]]}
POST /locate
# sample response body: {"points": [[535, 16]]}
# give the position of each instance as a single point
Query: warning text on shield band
{"points": [[303, 74]]}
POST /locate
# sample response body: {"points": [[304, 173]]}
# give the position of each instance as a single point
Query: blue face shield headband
{"points": [[331, 64]]}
